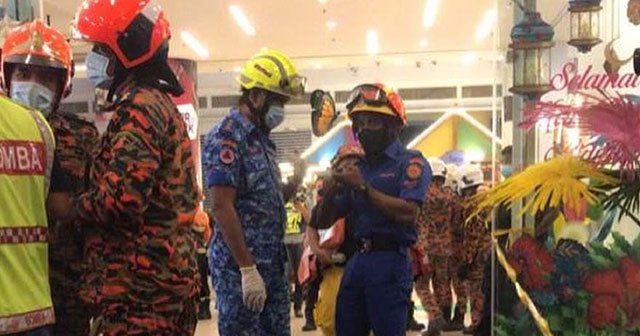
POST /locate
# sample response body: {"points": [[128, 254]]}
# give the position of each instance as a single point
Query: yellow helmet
{"points": [[272, 71]]}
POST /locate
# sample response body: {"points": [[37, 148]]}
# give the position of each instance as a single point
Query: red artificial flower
{"points": [[607, 282], [603, 311], [623, 284], [532, 262], [630, 271]]}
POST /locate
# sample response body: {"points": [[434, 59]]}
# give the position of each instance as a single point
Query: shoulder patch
{"points": [[227, 155], [414, 170]]}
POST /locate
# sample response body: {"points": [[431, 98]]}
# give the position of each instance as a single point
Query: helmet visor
{"points": [[372, 95]]}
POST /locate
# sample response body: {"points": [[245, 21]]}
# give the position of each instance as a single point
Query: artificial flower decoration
{"points": [[532, 263], [548, 184], [571, 266], [613, 122]]}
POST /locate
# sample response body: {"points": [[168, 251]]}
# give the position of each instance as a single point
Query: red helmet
{"points": [[348, 150], [35, 43], [133, 29]]}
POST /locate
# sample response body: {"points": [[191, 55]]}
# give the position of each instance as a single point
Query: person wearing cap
{"points": [[247, 253], [382, 194], [142, 191], [434, 241], [37, 70], [476, 247], [336, 247]]}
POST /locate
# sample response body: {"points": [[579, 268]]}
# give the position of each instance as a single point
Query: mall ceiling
{"points": [[326, 33]]}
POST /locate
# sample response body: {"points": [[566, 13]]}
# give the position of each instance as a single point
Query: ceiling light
{"points": [[331, 24], [237, 68], [424, 44], [323, 1], [242, 20], [372, 42], [469, 58], [431, 8], [486, 25], [195, 45]]}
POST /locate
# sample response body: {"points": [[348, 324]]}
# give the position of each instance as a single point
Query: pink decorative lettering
{"points": [[569, 79]]}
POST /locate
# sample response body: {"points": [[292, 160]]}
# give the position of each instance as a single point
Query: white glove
{"points": [[254, 294]]}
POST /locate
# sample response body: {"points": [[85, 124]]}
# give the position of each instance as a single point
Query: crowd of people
{"points": [[105, 234]]}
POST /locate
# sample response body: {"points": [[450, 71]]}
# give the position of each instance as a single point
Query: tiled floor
{"points": [[209, 328]]}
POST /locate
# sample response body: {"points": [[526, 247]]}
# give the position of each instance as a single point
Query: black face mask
{"points": [[374, 142]]}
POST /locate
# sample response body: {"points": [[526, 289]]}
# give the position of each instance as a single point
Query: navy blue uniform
{"points": [[240, 155], [376, 287]]}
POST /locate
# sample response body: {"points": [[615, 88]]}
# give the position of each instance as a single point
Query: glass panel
{"points": [[595, 24], [585, 26], [545, 66], [518, 67], [532, 67], [574, 25]]}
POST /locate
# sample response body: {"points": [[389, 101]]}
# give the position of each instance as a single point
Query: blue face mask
{"points": [[97, 69], [34, 95], [274, 117], [506, 171]]}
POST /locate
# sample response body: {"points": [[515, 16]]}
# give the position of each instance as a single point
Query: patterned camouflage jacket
{"points": [[457, 225], [141, 204], [434, 222], [76, 139], [477, 235]]}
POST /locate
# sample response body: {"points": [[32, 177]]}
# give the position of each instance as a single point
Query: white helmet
{"points": [[438, 168], [470, 176], [452, 177]]}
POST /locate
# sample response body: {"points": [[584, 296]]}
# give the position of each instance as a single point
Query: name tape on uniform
{"points": [[22, 158]]}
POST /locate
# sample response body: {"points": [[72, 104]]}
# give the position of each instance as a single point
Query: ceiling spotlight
{"points": [[195, 45], [331, 24], [242, 20], [372, 42]]}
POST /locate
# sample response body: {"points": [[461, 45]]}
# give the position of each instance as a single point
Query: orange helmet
{"points": [[133, 29], [376, 98], [35, 43], [348, 150]]}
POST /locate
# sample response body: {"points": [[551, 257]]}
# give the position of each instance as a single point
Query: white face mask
{"points": [[97, 69], [34, 95]]}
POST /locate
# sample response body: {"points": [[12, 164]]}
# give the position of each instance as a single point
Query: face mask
{"points": [[374, 142], [34, 95], [274, 117], [97, 69], [506, 171]]}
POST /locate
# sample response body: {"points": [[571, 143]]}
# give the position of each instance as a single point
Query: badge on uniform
{"points": [[227, 156], [414, 169]]}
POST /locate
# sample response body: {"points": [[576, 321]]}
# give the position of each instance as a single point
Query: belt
{"points": [[378, 244]]}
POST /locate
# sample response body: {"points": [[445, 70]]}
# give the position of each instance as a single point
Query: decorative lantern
{"points": [[585, 24], [531, 44]]}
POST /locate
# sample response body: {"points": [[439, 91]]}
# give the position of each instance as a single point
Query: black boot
{"points": [[457, 323], [446, 313], [204, 313], [310, 325], [435, 327], [412, 324], [470, 330]]}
